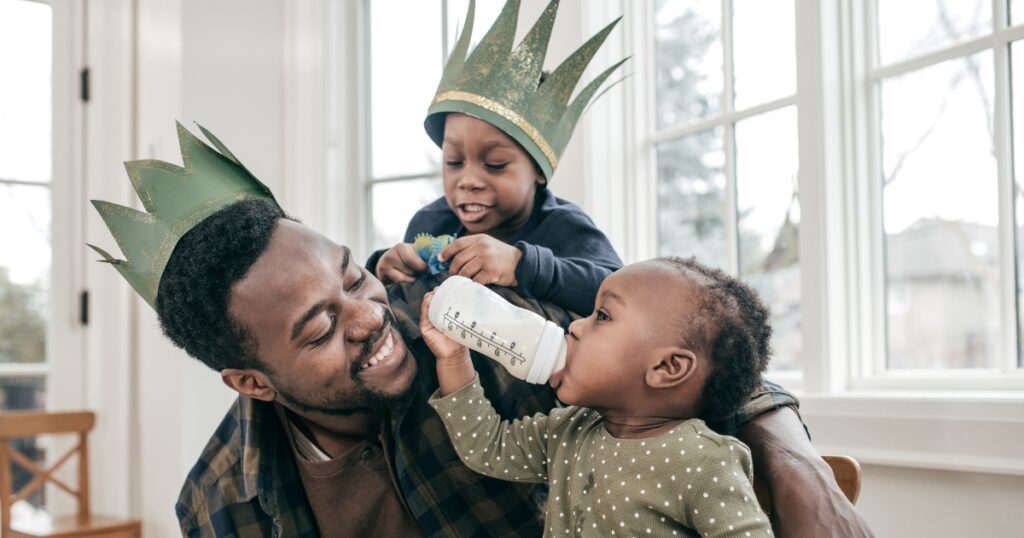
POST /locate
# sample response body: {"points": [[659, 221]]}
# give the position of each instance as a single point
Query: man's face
{"points": [[322, 326]]}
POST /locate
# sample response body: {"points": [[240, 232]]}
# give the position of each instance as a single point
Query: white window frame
{"points": [[866, 205], [841, 397]]}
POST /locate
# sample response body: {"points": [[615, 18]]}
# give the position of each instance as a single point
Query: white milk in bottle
{"points": [[527, 345]]}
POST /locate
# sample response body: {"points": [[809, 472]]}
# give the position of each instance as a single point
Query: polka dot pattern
{"points": [[689, 481]]}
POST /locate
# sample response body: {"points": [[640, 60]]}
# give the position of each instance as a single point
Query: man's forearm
{"points": [[806, 501]]}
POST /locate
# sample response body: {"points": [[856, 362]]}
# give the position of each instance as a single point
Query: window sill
{"points": [[979, 432]]}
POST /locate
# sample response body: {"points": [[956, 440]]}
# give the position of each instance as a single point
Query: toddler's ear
{"points": [[674, 367]]}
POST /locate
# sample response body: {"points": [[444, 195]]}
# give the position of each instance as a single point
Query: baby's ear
{"points": [[675, 366]]}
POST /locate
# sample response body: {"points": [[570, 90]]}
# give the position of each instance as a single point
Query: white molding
{"points": [[305, 185], [949, 431], [108, 136], [346, 140]]}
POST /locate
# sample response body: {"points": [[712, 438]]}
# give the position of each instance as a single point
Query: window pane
{"points": [[908, 28], [25, 394], [687, 60], [764, 51], [1016, 11], [769, 223], [691, 198], [1017, 57], [24, 272], [405, 69], [941, 215], [394, 204], [25, 68]]}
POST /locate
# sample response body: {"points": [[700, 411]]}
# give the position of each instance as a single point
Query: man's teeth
{"points": [[474, 208], [384, 351]]}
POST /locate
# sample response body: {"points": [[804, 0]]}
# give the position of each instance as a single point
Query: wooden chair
{"points": [[20, 425], [846, 470]]}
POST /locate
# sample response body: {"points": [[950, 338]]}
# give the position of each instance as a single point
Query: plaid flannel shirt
{"points": [[246, 482]]}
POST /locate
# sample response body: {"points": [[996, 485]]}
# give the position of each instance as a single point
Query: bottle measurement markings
{"points": [[483, 339]]}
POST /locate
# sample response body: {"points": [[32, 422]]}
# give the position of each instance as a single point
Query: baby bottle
{"points": [[527, 345]]}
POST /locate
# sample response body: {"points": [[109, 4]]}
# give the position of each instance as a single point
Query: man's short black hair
{"points": [[732, 327], [192, 301]]}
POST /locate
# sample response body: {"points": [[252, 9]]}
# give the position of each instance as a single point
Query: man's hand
{"points": [[454, 367], [400, 264], [483, 259], [806, 501]]}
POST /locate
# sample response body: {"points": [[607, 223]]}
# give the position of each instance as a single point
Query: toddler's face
{"points": [[636, 317], [489, 181]]}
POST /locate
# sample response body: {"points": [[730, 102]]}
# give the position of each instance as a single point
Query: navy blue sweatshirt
{"points": [[565, 257]]}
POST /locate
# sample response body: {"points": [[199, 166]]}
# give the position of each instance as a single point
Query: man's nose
{"points": [[361, 319]]}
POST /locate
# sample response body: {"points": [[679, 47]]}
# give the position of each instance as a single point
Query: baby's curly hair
{"points": [[731, 327]]}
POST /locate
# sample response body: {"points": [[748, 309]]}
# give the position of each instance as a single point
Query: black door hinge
{"points": [[84, 82], [83, 307]]}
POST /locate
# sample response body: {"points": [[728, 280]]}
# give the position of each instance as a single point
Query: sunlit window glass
{"points": [[691, 198], [764, 51], [908, 28], [26, 68], [769, 224], [688, 60], [395, 202], [940, 201], [405, 69]]}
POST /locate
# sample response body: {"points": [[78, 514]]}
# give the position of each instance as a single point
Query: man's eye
{"points": [[327, 335], [602, 315], [358, 283], [496, 167]]}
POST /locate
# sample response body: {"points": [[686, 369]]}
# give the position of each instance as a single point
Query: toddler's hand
{"points": [[483, 259], [399, 264], [445, 349]]}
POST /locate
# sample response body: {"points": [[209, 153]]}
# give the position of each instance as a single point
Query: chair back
{"points": [[846, 470], [30, 424]]}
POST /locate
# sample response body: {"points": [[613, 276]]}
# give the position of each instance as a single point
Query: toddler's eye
{"points": [[602, 315], [453, 163], [496, 167]]}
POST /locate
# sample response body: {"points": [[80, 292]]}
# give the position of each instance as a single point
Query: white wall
{"points": [[902, 502]]}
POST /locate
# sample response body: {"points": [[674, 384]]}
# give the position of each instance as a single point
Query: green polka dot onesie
{"points": [[689, 481]]}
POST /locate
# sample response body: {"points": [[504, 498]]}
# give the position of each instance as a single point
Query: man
{"points": [[331, 433]]}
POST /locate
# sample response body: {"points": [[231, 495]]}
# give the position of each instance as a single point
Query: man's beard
{"points": [[360, 399]]}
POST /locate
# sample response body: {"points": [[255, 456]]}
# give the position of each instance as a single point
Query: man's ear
{"points": [[251, 383], [676, 365]]}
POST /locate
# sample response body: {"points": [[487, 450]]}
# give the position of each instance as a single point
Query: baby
{"points": [[669, 341]]}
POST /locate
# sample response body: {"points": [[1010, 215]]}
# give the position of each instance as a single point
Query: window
{"points": [[725, 144], [25, 218], [406, 57], [940, 78]]}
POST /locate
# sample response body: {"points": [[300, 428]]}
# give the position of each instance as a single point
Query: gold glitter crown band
{"points": [[502, 85], [176, 199]]}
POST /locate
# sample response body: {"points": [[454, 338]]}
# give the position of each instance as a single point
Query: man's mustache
{"points": [[367, 351]]}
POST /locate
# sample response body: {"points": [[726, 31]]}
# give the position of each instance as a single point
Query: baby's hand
{"points": [[400, 264], [483, 259], [445, 349]]}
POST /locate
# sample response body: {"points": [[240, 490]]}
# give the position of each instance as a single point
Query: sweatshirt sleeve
{"points": [[565, 260], [508, 450]]}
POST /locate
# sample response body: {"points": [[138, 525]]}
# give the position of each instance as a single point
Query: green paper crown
{"points": [[502, 86], [176, 200]]}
